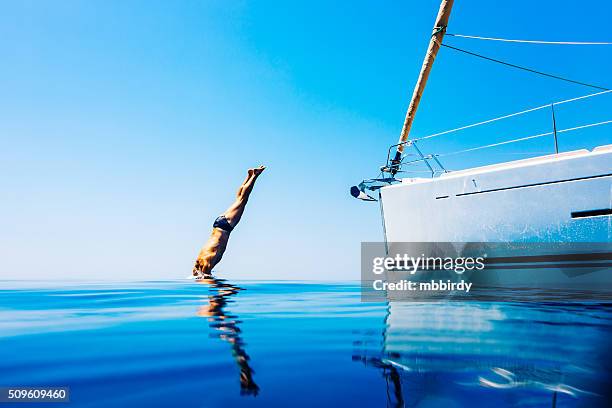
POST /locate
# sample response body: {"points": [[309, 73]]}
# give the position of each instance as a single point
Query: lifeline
{"points": [[432, 285]]}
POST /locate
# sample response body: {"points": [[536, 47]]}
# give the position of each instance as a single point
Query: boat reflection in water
{"points": [[226, 326], [449, 354]]}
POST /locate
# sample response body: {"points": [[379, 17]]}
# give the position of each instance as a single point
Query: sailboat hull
{"points": [[558, 198]]}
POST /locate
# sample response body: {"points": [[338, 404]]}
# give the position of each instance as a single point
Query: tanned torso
{"points": [[212, 251]]}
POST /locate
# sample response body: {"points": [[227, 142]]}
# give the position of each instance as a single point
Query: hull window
{"points": [[592, 213]]}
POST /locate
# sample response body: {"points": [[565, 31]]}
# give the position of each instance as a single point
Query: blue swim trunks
{"points": [[222, 223]]}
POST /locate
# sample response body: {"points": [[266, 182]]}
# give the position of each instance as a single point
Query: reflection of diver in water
{"points": [[227, 325], [395, 397]]}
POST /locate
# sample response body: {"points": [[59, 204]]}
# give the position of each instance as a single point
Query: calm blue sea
{"points": [[292, 344]]}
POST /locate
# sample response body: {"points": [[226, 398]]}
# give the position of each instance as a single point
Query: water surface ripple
{"points": [[223, 344]]}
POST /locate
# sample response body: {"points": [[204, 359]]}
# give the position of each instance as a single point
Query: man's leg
{"points": [[234, 212]]}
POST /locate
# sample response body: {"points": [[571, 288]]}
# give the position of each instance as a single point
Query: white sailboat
{"points": [[562, 197], [565, 198]]}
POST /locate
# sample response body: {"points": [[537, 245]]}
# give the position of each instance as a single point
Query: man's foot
{"points": [[257, 171]]}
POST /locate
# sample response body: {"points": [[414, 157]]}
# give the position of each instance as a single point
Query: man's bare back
{"points": [[212, 252]]}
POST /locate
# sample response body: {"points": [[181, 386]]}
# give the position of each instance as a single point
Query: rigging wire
{"points": [[511, 115], [603, 89], [530, 41], [523, 68], [606, 122]]}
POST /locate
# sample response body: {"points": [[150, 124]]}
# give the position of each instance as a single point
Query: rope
{"points": [[526, 138], [529, 41], [523, 68], [511, 115]]}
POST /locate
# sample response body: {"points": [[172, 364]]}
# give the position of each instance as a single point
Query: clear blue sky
{"points": [[126, 126]]}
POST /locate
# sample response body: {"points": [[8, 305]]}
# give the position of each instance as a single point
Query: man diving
{"points": [[212, 252]]}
